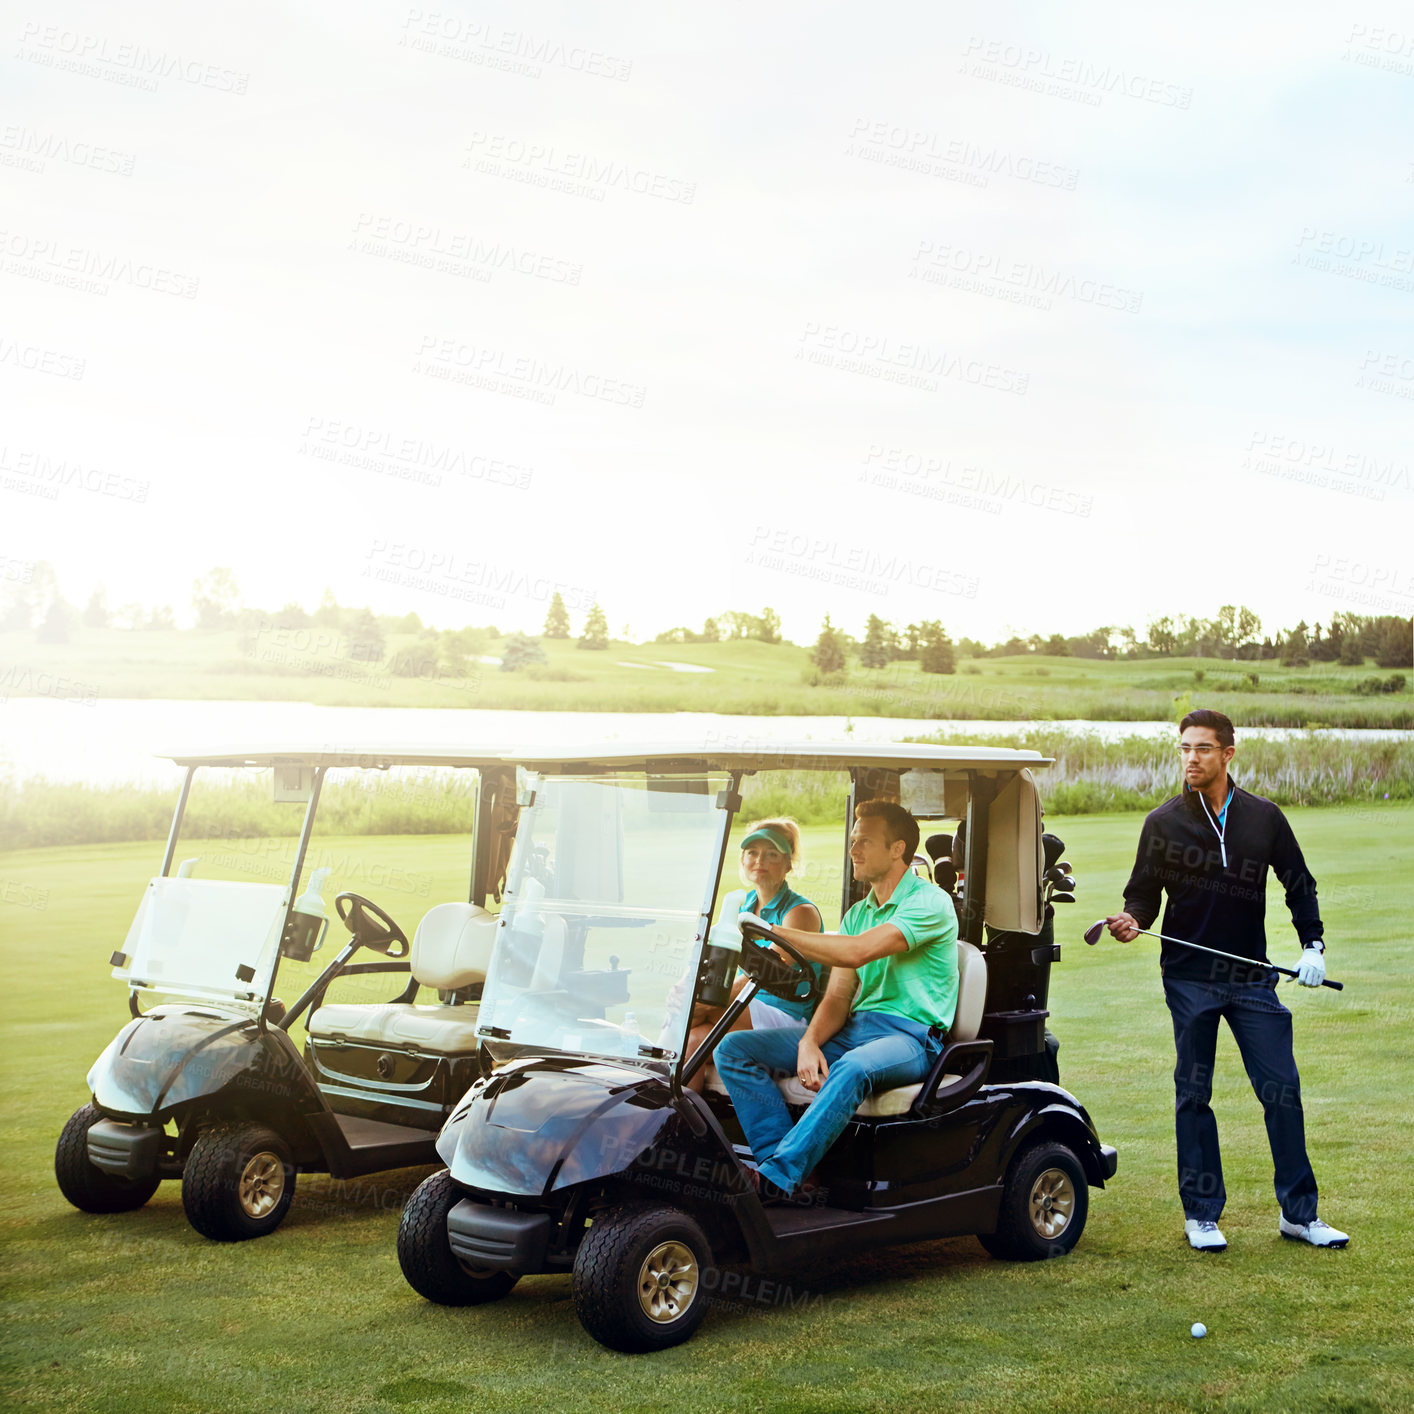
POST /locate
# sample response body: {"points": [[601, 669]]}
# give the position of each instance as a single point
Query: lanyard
{"points": [[1220, 823]]}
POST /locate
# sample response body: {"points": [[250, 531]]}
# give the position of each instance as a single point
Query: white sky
{"points": [[1215, 444]]}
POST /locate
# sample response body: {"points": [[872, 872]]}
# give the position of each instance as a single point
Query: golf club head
{"points": [[1066, 882], [1092, 933], [1065, 866], [1061, 898], [1053, 847]]}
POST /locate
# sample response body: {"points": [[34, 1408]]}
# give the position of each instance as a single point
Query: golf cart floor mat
{"points": [[364, 1134]]}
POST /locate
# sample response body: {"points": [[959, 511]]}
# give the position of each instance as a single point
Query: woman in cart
{"points": [[769, 852]]}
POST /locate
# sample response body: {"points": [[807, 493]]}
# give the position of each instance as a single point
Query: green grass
{"points": [[748, 678], [135, 1312]]}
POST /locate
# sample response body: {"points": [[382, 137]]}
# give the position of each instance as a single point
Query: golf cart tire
{"points": [[426, 1257], [609, 1268], [1045, 1186], [86, 1185], [238, 1182]]}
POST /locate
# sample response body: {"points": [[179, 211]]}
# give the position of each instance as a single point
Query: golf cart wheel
{"points": [[86, 1185], [639, 1278], [238, 1182], [431, 1267], [1044, 1205]]}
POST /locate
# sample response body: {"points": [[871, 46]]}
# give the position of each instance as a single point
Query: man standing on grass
{"points": [[1210, 848], [900, 944]]}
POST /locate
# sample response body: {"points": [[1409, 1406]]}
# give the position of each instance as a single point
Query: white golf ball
{"points": [[1198, 1331]]}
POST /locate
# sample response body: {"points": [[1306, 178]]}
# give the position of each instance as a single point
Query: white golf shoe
{"points": [[1317, 1233], [1204, 1236]]}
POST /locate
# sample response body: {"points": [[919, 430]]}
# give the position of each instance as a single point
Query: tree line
{"points": [[34, 601]]}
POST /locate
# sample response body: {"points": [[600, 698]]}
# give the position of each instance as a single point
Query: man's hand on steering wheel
{"points": [[791, 977], [370, 925]]}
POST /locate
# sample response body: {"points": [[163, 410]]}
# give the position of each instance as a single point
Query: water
{"points": [[110, 741]]}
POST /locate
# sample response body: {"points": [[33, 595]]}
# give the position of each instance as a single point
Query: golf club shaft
{"points": [[1233, 957]]}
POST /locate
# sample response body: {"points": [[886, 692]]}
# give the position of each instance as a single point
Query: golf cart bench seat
{"points": [[450, 950], [971, 1000]]}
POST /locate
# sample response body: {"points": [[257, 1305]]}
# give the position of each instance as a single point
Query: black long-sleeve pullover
{"points": [[1219, 902]]}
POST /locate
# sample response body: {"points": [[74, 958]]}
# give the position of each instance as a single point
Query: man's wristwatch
{"points": [[1319, 944]]}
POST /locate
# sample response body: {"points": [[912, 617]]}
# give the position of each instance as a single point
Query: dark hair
{"points": [[898, 823], [1216, 721]]}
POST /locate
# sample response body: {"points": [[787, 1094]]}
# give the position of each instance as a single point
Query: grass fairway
{"points": [[136, 1312]]}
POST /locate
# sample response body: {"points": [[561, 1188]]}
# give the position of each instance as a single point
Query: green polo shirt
{"points": [[921, 983]]}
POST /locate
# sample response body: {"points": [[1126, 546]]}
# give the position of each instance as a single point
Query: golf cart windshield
{"points": [[607, 905]]}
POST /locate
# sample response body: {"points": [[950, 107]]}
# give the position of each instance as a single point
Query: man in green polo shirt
{"points": [[899, 944]]}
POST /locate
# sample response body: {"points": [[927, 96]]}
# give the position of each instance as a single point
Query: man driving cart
{"points": [[898, 948]]}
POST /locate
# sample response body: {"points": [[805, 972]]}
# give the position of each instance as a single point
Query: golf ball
{"points": [[1199, 1330]]}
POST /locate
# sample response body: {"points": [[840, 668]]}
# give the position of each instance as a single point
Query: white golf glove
{"points": [[743, 918], [725, 935], [1311, 970]]}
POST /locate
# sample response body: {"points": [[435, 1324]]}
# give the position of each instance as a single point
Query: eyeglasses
{"points": [[1202, 749]]}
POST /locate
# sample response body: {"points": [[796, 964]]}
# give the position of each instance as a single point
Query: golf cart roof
{"points": [[747, 754], [756, 755], [351, 754]]}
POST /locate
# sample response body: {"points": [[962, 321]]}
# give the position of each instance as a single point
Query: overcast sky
{"points": [[1006, 315]]}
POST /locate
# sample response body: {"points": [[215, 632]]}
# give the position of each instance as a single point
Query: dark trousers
{"points": [[1261, 1025]]}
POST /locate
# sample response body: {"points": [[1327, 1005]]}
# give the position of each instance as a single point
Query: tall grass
{"points": [[1090, 775], [40, 812], [1137, 773]]}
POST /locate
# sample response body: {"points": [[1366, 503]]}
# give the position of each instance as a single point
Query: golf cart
{"points": [[582, 1150], [209, 1085]]}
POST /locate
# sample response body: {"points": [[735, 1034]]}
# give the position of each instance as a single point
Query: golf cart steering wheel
{"points": [[792, 981], [370, 925]]}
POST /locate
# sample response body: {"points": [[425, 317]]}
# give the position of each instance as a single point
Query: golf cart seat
{"points": [[450, 950], [971, 999]]}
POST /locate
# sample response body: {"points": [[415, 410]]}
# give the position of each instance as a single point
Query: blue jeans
{"points": [[1261, 1026], [871, 1051]]}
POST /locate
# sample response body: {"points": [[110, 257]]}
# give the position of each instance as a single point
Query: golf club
{"points": [[1092, 936]]}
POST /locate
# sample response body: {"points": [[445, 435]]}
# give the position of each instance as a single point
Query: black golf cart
{"points": [[583, 1151], [208, 1085]]}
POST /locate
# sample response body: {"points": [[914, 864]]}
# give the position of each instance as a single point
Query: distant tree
{"points": [[557, 621], [366, 643], [131, 616], [161, 618], [1057, 647], [828, 652], [520, 651], [1396, 648], [329, 614], [711, 631], [768, 626], [418, 659], [96, 613], [1296, 651], [874, 651], [293, 615], [1246, 628], [1129, 642], [216, 599], [936, 654], [972, 647], [58, 619], [407, 623], [596, 630], [15, 610], [910, 641], [1162, 637]]}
